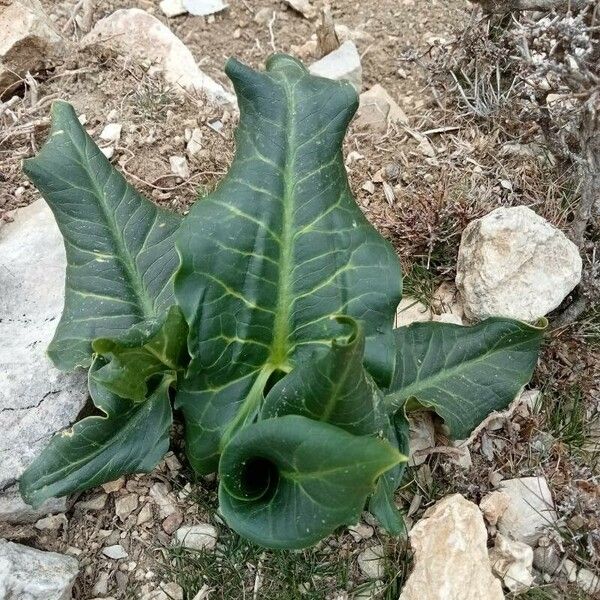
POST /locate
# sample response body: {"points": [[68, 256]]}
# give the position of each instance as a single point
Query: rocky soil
{"points": [[513, 511]]}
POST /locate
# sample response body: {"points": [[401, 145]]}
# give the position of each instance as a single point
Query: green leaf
{"points": [[463, 373], [290, 481], [130, 438], [382, 503], [275, 251], [334, 387], [120, 253], [149, 349]]}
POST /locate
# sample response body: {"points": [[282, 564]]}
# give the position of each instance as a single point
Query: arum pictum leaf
{"points": [[463, 373], [382, 503], [149, 349], [274, 252], [334, 387], [287, 482], [131, 437], [120, 253]]}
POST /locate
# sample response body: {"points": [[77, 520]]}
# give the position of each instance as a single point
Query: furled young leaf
{"points": [[277, 249], [334, 388], [149, 349], [119, 246], [290, 481], [463, 373], [131, 438]]}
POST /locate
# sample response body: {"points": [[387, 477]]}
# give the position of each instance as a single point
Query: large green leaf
{"points": [[463, 373], [334, 387], [132, 437], [275, 251], [290, 481], [149, 349], [120, 253]]}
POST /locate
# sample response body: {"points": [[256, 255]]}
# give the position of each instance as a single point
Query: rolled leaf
{"points": [[120, 252], [149, 349], [130, 438], [290, 481], [463, 373], [275, 251], [333, 387]]}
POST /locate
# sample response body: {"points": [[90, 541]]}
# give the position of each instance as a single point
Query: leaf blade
{"points": [[464, 373], [130, 438], [320, 479], [273, 253], [120, 251]]}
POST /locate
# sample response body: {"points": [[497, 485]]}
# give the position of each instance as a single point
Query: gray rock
{"points": [[172, 8], [14, 510], [155, 43], [513, 263], [28, 42], [115, 552], [547, 559], [36, 400], [371, 562], [343, 63], [203, 8], [29, 574], [588, 581]]}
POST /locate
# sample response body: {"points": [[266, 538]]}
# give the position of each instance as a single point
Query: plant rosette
{"points": [[266, 316]]}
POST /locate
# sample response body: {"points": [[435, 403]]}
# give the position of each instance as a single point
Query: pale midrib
{"points": [[281, 329], [123, 254]]}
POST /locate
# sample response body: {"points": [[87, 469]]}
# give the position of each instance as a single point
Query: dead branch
{"points": [[506, 6]]}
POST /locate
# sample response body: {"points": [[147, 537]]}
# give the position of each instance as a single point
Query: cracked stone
{"points": [[36, 399]]}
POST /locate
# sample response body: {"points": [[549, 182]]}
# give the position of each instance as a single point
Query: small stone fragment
{"points": [[111, 133], [304, 7], [167, 505], [125, 505], [52, 523], [203, 8], [194, 144], [97, 502], [360, 531], [101, 586], [343, 63], [144, 515], [172, 8], [547, 559], [197, 537], [113, 486], [494, 505], [451, 558], [513, 263], [263, 15], [530, 510], [570, 570], [588, 581], [512, 561], [372, 562], [115, 552], [179, 166], [378, 109], [172, 522], [410, 310], [29, 574]]}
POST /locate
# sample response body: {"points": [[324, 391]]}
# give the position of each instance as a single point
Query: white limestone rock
{"points": [[28, 41], [513, 562], [513, 263], [530, 510], [154, 42], [29, 574], [36, 399], [343, 63], [197, 537], [172, 8], [203, 8], [371, 562], [451, 558], [410, 310]]}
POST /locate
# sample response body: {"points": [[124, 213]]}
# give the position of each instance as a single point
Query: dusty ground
{"points": [[435, 196]]}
